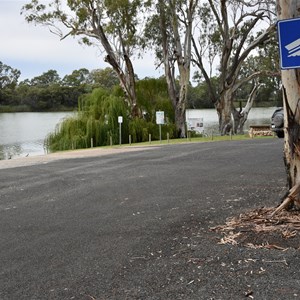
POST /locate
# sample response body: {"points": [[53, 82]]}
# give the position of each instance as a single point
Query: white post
{"points": [[120, 134], [120, 121], [160, 133]]}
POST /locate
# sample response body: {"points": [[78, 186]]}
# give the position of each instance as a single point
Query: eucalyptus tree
{"points": [[172, 42], [77, 78], [287, 9], [266, 61], [8, 76], [8, 83], [110, 24], [47, 78], [104, 78], [227, 33]]}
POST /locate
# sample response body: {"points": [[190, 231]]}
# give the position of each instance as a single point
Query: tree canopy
{"points": [[110, 25], [228, 33], [218, 37], [8, 76]]}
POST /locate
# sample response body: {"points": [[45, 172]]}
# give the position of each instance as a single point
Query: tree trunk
{"points": [[127, 80], [180, 113], [291, 93], [168, 64], [224, 106], [240, 117]]}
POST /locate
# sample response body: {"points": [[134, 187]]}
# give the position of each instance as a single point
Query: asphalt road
{"points": [[137, 225]]}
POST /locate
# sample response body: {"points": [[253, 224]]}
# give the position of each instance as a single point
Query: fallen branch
{"points": [[292, 198]]}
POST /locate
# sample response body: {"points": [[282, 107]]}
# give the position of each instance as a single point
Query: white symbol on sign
{"points": [[293, 48]]}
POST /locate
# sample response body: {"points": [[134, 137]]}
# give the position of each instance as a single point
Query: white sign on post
{"points": [[160, 117], [120, 119], [160, 120]]}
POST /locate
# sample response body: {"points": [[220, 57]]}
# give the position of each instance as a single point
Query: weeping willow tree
{"points": [[95, 123], [152, 94]]}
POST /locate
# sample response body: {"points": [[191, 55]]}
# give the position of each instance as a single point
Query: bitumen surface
{"points": [[137, 225]]}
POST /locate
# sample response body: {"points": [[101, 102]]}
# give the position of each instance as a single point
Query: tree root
{"points": [[292, 198]]}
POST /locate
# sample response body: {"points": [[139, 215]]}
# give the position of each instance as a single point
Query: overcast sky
{"points": [[34, 50]]}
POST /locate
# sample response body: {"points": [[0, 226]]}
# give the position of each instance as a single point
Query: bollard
{"points": [[149, 138], [130, 139], [92, 143], [159, 133]]}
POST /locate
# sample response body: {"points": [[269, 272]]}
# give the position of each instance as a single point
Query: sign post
{"points": [[160, 120], [289, 43], [120, 121]]}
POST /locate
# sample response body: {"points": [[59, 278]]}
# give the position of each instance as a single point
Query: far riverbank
{"points": [[23, 134]]}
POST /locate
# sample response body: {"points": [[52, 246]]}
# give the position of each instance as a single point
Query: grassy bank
{"points": [[26, 108], [12, 109], [213, 138]]}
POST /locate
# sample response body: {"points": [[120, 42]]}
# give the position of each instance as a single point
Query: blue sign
{"points": [[289, 43]]}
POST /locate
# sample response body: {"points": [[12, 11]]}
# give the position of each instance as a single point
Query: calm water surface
{"points": [[257, 116], [23, 134]]}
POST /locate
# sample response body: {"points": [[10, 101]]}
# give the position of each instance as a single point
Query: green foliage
{"points": [[47, 92], [266, 61], [198, 96], [103, 78], [8, 76], [17, 108], [77, 78], [152, 96], [140, 130], [8, 82], [97, 120], [112, 25], [47, 78], [123, 19]]}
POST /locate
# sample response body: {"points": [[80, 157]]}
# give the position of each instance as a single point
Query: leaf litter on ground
{"points": [[259, 229]]}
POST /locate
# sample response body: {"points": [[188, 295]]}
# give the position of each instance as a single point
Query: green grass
{"points": [[216, 138], [165, 142], [12, 109], [201, 139]]}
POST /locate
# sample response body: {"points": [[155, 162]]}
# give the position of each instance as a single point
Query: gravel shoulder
{"points": [[92, 152]]}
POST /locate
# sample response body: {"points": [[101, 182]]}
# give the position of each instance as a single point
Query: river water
{"points": [[23, 134]]}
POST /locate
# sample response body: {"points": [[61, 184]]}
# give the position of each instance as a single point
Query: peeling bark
{"points": [[291, 94], [241, 116], [224, 107], [181, 55], [292, 140]]}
